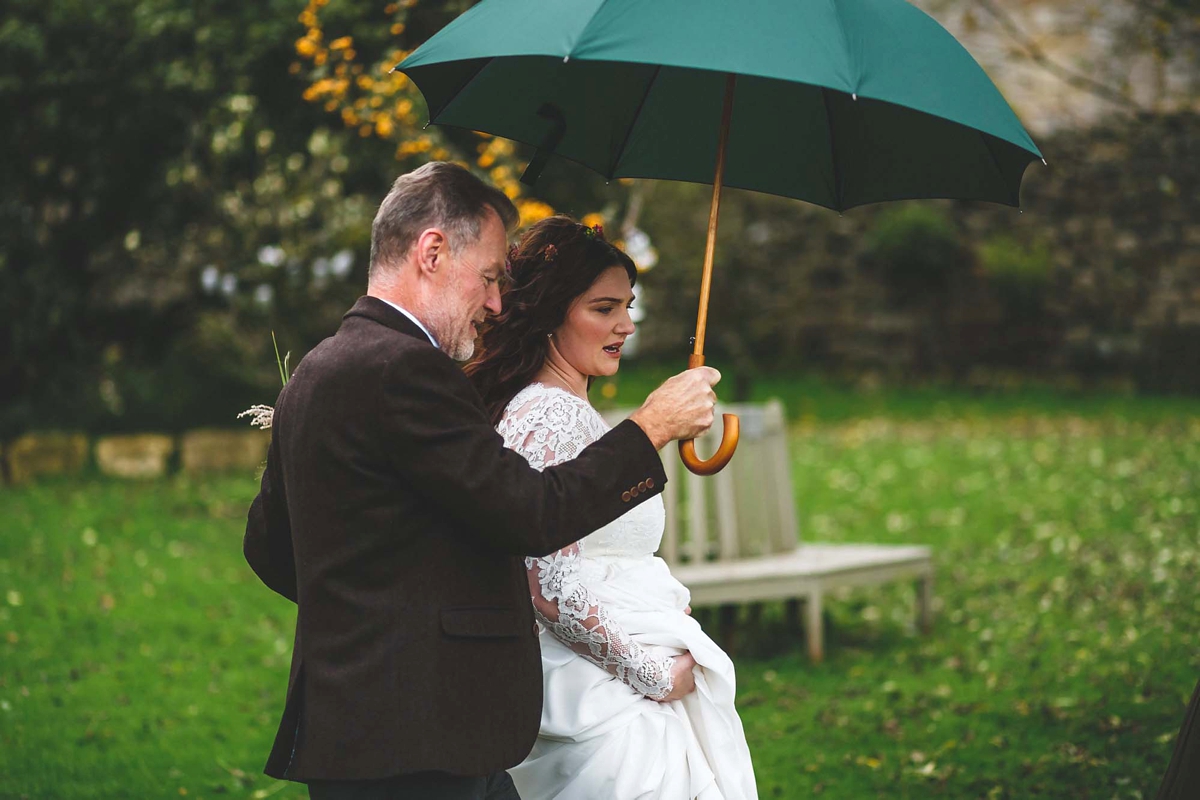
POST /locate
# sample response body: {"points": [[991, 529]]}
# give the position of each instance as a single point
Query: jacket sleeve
{"points": [[443, 444], [268, 542]]}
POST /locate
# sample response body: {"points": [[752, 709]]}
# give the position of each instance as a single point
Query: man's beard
{"points": [[454, 335], [461, 350]]}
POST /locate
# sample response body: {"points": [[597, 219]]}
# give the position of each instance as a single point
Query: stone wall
{"points": [[50, 453], [1081, 38], [141, 455], [1119, 208], [215, 450], [132, 456]]}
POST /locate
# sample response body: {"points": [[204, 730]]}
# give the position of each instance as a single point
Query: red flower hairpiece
{"points": [[508, 260], [549, 253], [595, 231]]}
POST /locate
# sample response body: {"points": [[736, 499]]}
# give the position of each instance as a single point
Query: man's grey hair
{"points": [[437, 195]]}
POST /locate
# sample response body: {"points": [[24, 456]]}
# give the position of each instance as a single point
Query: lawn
{"points": [[139, 656]]}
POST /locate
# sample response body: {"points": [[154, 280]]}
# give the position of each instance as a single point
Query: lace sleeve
{"points": [[548, 431], [573, 615]]}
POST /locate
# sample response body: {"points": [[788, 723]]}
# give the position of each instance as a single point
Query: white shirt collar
{"points": [[415, 321]]}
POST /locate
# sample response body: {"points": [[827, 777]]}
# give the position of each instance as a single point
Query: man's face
{"points": [[470, 289]]}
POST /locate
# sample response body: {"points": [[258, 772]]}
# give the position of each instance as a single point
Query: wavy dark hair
{"points": [[556, 261]]}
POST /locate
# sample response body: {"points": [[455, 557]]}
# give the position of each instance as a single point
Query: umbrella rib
{"points": [[837, 173], [583, 30], [996, 163], [633, 124], [485, 62], [841, 25]]}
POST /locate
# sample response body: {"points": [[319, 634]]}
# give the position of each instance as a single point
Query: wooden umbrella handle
{"points": [[729, 440]]}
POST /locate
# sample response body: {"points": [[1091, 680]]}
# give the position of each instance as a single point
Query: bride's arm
{"points": [[548, 431], [573, 615]]}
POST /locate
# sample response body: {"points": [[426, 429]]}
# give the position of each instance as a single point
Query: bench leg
{"points": [[812, 627], [791, 614], [728, 616], [925, 603], [754, 614]]}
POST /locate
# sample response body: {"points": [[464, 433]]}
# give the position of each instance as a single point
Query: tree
{"points": [[172, 198], [149, 141]]}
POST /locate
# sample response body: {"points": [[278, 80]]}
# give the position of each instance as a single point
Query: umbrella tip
{"points": [[1044, 163], [426, 125], [854, 95], [566, 59]]}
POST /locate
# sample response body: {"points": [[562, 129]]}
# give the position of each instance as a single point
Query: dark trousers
{"points": [[1182, 781], [418, 786]]}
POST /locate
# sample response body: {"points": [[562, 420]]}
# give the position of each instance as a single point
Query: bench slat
{"points": [[787, 530], [727, 516], [806, 560], [697, 518]]}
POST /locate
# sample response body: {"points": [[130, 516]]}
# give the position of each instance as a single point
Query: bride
{"points": [[638, 700]]}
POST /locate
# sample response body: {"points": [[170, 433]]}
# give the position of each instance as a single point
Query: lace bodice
{"points": [[548, 425]]}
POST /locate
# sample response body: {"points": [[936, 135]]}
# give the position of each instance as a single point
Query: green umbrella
{"points": [[836, 102]]}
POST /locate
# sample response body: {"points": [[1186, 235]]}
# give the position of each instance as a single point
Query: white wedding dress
{"points": [[612, 617]]}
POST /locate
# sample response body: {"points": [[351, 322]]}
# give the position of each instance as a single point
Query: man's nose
{"points": [[493, 301]]}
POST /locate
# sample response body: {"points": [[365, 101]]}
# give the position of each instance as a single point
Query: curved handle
{"points": [[729, 443]]}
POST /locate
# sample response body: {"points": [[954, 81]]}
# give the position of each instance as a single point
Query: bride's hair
{"points": [[556, 261]]}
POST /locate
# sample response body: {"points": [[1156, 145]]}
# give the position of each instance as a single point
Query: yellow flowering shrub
{"points": [[375, 101]]}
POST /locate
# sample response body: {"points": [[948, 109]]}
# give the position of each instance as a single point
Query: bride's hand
{"points": [[683, 681]]}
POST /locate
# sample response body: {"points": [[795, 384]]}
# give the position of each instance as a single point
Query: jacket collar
{"points": [[377, 310]]}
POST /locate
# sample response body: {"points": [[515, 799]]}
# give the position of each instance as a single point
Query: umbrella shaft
{"points": [[714, 212]]}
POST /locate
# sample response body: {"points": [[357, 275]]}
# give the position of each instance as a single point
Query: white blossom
{"points": [[260, 416]]}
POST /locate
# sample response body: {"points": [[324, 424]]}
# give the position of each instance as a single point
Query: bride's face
{"points": [[597, 324]]}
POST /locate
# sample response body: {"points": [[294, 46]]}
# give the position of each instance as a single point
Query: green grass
{"points": [[1065, 644], [139, 656]]}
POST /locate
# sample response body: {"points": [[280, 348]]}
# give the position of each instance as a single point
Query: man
{"points": [[394, 517], [1182, 780]]}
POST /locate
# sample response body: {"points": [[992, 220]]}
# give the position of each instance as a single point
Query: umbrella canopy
{"points": [[837, 102]]}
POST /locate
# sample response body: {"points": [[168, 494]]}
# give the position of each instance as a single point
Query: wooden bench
{"points": [[734, 538]]}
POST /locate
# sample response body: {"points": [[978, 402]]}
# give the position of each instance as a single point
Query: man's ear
{"points": [[432, 251]]}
